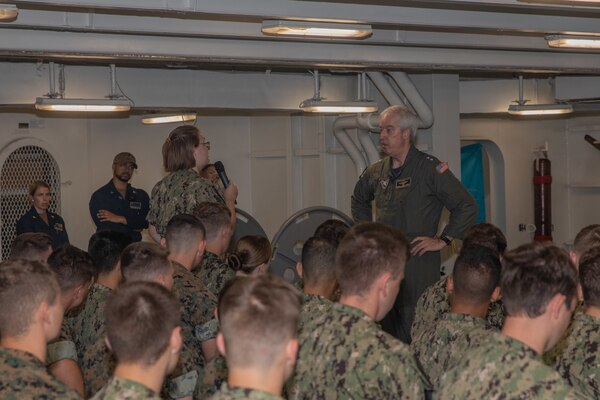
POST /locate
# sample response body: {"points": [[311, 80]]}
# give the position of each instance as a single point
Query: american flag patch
{"points": [[442, 167]]}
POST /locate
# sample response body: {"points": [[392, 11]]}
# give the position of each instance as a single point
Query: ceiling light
{"points": [[521, 108], [8, 12], [316, 29], [318, 104], [574, 41], [82, 105], [540, 109], [168, 118], [56, 101]]}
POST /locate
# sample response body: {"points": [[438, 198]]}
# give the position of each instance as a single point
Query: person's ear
{"points": [[42, 315], [291, 352], [107, 342], [201, 246], [299, 269], [555, 305], [579, 292], [175, 341], [495, 294], [450, 285], [163, 242], [221, 344], [216, 314], [573, 257]]}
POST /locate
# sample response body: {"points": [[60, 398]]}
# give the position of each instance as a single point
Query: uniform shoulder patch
{"points": [[442, 167]]}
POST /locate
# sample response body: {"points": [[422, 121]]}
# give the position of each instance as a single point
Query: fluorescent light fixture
{"points": [[8, 12], [316, 29], [348, 107], [540, 109], [82, 105], [574, 41], [168, 118]]}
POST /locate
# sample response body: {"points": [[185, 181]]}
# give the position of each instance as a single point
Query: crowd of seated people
{"points": [[185, 318]]}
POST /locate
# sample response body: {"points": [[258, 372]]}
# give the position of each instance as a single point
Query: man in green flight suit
{"points": [[410, 189]]}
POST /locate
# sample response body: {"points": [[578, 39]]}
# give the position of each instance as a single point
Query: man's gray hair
{"points": [[407, 118]]}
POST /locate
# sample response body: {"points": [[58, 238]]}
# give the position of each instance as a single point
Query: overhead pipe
{"points": [[414, 98], [339, 131]]}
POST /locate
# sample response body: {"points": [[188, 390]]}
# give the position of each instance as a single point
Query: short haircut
{"points": [[214, 217], [318, 260], [589, 276], [143, 261], [184, 231], [333, 229], [369, 250], [250, 252], [24, 286], [586, 239], [35, 185], [105, 248], [476, 274], [534, 273], [72, 266], [258, 315], [32, 246], [407, 118], [487, 235], [178, 149], [140, 318]]}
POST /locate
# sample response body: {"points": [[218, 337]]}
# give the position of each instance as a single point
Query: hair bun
{"points": [[234, 262]]}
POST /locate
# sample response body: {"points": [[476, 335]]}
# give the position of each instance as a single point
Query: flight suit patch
{"points": [[136, 205], [403, 183], [384, 183], [58, 227], [442, 167]]}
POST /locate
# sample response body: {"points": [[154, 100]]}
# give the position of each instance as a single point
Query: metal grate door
{"points": [[21, 168]]}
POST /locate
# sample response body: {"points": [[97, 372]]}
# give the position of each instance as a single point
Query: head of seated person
{"points": [[333, 229], [252, 256], [185, 239], [33, 246], [475, 281], [105, 248], [317, 266], [369, 267], [216, 219], [487, 235], [75, 273], [586, 239], [142, 330], [147, 262], [259, 327]]}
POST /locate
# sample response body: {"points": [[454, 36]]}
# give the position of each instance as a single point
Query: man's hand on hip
{"points": [[423, 244]]}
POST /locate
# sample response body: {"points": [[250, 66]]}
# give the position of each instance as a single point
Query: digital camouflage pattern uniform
{"points": [[211, 378], [179, 193], [503, 368], [349, 356], [24, 376], [63, 347], [233, 393], [214, 272], [579, 363], [412, 200], [552, 355], [88, 328], [313, 308], [125, 389], [197, 308], [434, 303], [444, 345]]}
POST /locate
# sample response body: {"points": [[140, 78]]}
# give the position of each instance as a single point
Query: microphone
{"points": [[221, 171]]}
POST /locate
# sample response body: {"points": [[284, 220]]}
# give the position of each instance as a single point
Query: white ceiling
{"points": [[487, 37]]}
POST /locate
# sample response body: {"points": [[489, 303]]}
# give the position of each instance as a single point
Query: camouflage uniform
{"points": [[551, 356], [233, 393], [214, 272], [503, 368], [579, 363], [212, 378], [434, 303], [197, 308], [411, 199], [88, 327], [442, 347], [313, 307], [24, 376], [125, 389], [63, 347], [179, 193], [349, 356]]}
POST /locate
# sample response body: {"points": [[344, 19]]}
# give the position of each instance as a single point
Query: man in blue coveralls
{"points": [[118, 206]]}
